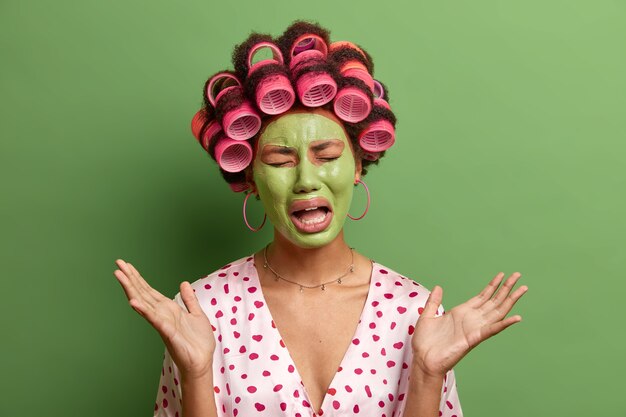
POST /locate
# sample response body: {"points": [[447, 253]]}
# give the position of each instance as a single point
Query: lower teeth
{"points": [[314, 221]]}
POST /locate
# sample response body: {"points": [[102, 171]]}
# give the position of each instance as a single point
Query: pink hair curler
{"points": [[211, 130], [233, 155], [219, 85], [378, 136], [316, 89], [378, 90], [340, 44], [352, 105], [242, 122], [316, 49], [382, 103], [197, 123], [356, 69], [238, 187], [274, 93]]}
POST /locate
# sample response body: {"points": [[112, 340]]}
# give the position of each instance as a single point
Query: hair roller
{"points": [[232, 155], [307, 61], [269, 80], [379, 132], [238, 118], [354, 100], [303, 36], [198, 122]]}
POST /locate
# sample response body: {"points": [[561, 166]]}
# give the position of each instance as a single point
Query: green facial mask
{"points": [[302, 156]]}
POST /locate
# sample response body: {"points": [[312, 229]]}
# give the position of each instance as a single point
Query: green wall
{"points": [[509, 157]]}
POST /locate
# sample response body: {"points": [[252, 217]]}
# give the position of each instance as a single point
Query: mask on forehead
{"points": [[304, 172]]}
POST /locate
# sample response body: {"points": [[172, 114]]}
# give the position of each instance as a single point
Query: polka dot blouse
{"points": [[254, 374]]}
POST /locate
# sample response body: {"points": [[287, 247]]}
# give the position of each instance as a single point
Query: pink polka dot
{"points": [[401, 310], [251, 290], [259, 406], [251, 389], [257, 337], [253, 356], [283, 406], [390, 364], [164, 403], [355, 409], [398, 345], [336, 405], [388, 296], [164, 389], [277, 387], [250, 316]]}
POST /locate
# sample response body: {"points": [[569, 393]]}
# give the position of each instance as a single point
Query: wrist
{"points": [[424, 374], [197, 377]]}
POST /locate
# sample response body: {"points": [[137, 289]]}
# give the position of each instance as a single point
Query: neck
{"points": [[309, 266]]}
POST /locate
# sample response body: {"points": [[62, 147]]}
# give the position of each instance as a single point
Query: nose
{"points": [[307, 177]]}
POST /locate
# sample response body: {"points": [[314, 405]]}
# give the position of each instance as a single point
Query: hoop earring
{"points": [[367, 207], [245, 218]]}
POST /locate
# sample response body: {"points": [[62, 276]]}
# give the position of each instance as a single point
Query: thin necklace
{"points": [[337, 280]]}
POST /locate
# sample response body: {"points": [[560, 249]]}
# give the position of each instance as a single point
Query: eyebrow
{"points": [[324, 145], [282, 150]]}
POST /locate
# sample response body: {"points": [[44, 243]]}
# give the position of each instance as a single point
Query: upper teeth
{"points": [[310, 208]]}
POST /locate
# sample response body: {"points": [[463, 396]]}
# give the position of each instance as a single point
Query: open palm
{"points": [[439, 343], [188, 335]]}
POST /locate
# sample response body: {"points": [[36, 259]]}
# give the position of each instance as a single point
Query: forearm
{"points": [[424, 394], [198, 396]]}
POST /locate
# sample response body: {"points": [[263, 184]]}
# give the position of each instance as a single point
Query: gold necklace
{"points": [[266, 265]]}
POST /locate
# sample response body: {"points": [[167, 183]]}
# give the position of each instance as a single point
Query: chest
{"points": [[317, 331]]}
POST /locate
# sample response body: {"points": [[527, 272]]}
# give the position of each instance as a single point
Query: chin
{"points": [[311, 240]]}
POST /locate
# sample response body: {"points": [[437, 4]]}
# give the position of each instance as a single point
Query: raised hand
{"points": [[439, 343], [188, 335]]}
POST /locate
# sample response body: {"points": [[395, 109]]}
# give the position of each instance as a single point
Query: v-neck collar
{"points": [[357, 333]]}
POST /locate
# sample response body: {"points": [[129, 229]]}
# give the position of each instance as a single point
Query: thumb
{"points": [[189, 298], [433, 302]]}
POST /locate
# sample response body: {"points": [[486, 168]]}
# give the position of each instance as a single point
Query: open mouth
{"points": [[311, 216]]}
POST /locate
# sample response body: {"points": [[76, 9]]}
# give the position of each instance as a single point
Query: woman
{"points": [[307, 326]]}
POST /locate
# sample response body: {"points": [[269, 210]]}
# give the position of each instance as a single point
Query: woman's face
{"points": [[304, 171]]}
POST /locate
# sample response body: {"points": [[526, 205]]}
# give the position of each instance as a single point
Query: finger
{"points": [[505, 307], [157, 296], [495, 328], [128, 286], [487, 292], [136, 280], [506, 289], [189, 298], [433, 302]]}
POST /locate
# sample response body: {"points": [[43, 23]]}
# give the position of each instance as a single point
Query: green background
{"points": [[509, 157]]}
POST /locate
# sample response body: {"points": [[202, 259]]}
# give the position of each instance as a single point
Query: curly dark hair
{"points": [[339, 54]]}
